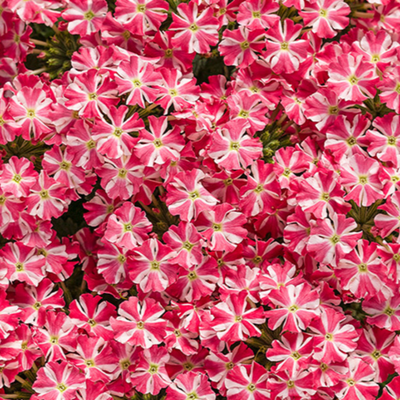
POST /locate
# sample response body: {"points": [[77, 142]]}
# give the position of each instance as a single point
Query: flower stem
{"points": [[38, 71], [39, 43], [67, 293], [26, 385], [358, 14]]}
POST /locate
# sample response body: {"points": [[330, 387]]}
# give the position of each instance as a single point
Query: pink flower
{"points": [[240, 46], [360, 177], [352, 78], [187, 197], [247, 382], [295, 306], [91, 93], [284, 52], [333, 339], [330, 241], [257, 14], [195, 32], [196, 281], [141, 16], [152, 268], [18, 177], [22, 263], [222, 227], [358, 382], [190, 384], [139, 323], [137, 77], [47, 199], [159, 145], [58, 381], [362, 271], [85, 16], [30, 109], [234, 321], [127, 227], [232, 148], [150, 375], [325, 16], [113, 139]]}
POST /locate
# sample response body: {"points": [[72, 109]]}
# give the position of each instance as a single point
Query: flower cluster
{"points": [[199, 199]]}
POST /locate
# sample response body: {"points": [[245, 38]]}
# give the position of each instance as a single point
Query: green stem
{"points": [[26, 385], [67, 293], [39, 43]]}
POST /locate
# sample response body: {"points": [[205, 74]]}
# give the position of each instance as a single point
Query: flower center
{"points": [[89, 363], [376, 354], [251, 387], [92, 322], [122, 173], [335, 239], [136, 83], [30, 113], [351, 382], [392, 141], [188, 246], [188, 366], [155, 265], [284, 46], [259, 188], [325, 196], [37, 305], [53, 339], [244, 114], [238, 318], [286, 172], [217, 227], [89, 15], [141, 8], [296, 355], [389, 311], [328, 336], [177, 333], [194, 195], [290, 384], [333, 110], [168, 53], [91, 144], [244, 45], [351, 141], [153, 369], [65, 165], [61, 387], [19, 267], [17, 178], [128, 227], [157, 143], [194, 28], [323, 13], [293, 308], [363, 268], [140, 325], [375, 58], [363, 180], [229, 365], [92, 96], [118, 132], [192, 276], [235, 146], [353, 80]]}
